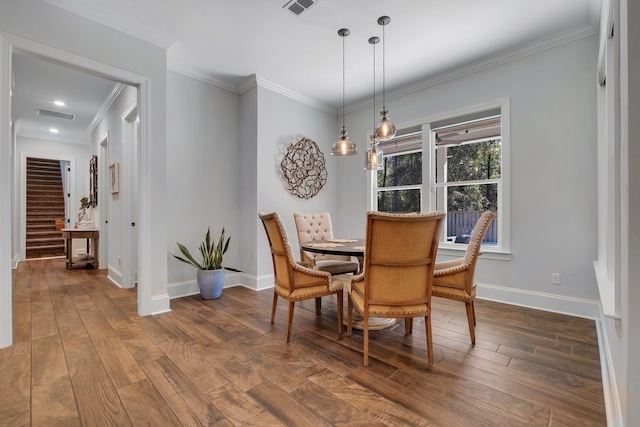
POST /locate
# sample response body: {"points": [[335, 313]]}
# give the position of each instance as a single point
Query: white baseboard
{"points": [[115, 276], [231, 279], [160, 304], [541, 301], [609, 384]]}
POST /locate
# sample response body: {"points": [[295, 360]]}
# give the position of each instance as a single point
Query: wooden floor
{"points": [[82, 356]]}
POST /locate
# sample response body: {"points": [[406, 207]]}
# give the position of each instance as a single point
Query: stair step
{"points": [[35, 228], [44, 166], [43, 216], [43, 184], [32, 234], [41, 219], [46, 207], [44, 252], [57, 206], [44, 202], [53, 207], [44, 172], [43, 188], [44, 195], [44, 241]]}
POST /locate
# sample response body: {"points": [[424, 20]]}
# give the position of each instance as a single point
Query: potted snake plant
{"points": [[210, 273]]}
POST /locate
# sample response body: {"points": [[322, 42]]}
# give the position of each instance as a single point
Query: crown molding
{"points": [[296, 96], [202, 76], [248, 84], [102, 16], [251, 82], [52, 137], [117, 89]]}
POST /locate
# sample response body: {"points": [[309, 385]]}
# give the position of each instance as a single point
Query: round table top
{"points": [[350, 247]]}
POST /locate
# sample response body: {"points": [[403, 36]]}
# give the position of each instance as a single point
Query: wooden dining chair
{"points": [[293, 281], [317, 226], [455, 279], [398, 272]]}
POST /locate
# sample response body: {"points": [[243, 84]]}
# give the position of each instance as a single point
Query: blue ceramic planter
{"points": [[210, 283]]}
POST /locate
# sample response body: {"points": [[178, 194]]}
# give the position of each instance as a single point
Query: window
{"points": [[467, 175], [458, 165], [399, 183]]}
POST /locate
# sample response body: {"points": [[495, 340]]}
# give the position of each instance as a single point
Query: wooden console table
{"points": [[92, 236]]}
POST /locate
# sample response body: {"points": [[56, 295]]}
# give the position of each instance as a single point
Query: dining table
{"points": [[353, 247], [345, 247]]}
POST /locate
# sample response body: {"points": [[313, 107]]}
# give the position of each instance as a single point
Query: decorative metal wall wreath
{"points": [[303, 168]]}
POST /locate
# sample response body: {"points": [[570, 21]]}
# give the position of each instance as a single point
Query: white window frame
{"points": [[419, 187], [503, 249]]}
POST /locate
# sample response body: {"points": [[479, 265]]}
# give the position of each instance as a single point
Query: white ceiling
{"points": [[225, 42], [38, 83]]}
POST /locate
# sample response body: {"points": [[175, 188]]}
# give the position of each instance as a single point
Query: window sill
{"points": [[457, 250]]}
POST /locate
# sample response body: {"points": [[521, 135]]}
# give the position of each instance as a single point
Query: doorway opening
{"points": [[81, 150]]}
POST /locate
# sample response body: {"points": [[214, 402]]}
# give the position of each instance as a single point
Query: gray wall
{"points": [[203, 157], [281, 121], [224, 153]]}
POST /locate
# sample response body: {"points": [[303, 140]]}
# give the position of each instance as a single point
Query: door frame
{"points": [[103, 199], [129, 171], [10, 44]]}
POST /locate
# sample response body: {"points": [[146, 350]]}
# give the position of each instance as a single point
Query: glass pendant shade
{"points": [[385, 130], [344, 147], [374, 157]]}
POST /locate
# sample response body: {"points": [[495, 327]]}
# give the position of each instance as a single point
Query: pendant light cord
{"points": [[384, 57], [343, 85], [375, 116]]}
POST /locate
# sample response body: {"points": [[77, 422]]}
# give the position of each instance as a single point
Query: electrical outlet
{"points": [[555, 278]]}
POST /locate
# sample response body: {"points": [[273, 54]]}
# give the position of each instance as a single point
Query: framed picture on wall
{"points": [[93, 181], [113, 177]]}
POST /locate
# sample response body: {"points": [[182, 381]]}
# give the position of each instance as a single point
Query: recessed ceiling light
{"points": [[54, 130], [59, 103]]}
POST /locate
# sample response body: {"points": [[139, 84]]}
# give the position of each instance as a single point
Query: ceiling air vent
{"points": [[50, 113], [298, 6]]}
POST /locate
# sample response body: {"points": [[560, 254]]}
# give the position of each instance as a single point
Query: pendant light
{"points": [[373, 159], [343, 147], [385, 130]]}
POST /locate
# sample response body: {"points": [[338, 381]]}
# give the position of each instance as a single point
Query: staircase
{"points": [[45, 203]]}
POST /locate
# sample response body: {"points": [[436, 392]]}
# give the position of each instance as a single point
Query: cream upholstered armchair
{"points": [[293, 281], [455, 279], [398, 271], [317, 226]]}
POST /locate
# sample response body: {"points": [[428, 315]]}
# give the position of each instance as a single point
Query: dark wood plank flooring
{"points": [[82, 356]]}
